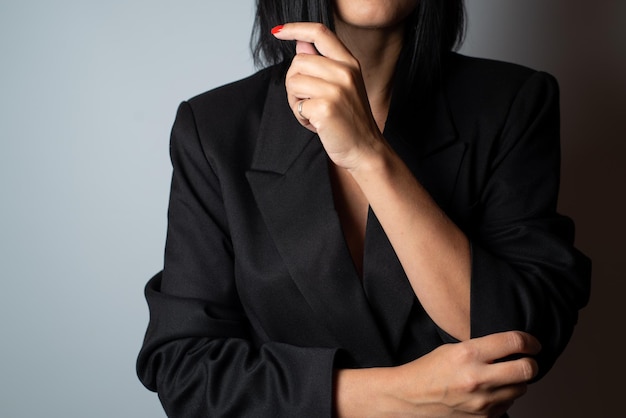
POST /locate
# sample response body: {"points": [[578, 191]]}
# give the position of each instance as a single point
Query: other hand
{"points": [[469, 378]]}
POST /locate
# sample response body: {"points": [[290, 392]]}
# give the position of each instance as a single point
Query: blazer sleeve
{"points": [[526, 273], [198, 353]]}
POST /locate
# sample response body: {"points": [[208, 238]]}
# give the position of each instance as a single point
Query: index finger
{"points": [[325, 40]]}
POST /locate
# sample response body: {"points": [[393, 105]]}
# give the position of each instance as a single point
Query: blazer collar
{"points": [[290, 182], [281, 139], [416, 130]]}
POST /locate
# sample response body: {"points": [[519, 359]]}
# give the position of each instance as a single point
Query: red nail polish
{"points": [[277, 29]]}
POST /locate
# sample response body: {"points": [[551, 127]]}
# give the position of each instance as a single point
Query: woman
{"points": [[365, 228]]}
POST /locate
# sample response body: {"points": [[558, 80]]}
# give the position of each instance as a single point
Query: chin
{"points": [[373, 14]]}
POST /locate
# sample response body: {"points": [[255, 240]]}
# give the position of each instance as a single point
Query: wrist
{"points": [[373, 392], [375, 159]]}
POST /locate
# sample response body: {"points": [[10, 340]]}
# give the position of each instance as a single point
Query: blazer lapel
{"points": [[290, 182], [425, 137]]}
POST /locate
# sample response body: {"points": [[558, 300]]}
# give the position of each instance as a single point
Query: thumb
{"points": [[305, 48]]}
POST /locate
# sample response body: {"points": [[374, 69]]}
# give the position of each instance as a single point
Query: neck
{"points": [[377, 51]]}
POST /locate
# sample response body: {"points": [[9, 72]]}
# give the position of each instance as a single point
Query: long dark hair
{"points": [[434, 29]]}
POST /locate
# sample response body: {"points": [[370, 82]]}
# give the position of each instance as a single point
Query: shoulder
{"points": [[229, 100], [226, 120], [491, 75], [487, 88]]}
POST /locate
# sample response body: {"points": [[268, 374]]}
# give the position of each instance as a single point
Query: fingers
{"points": [[313, 75], [501, 345], [299, 109], [301, 87], [305, 48], [328, 78], [466, 379], [324, 40], [512, 372], [309, 68], [491, 349], [328, 83]]}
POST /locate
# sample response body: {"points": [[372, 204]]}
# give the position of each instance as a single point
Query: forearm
{"points": [[433, 251]]}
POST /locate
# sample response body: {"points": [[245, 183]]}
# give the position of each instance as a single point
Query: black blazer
{"points": [[259, 300]]}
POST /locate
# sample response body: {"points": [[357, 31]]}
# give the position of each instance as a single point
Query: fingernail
{"points": [[277, 29]]}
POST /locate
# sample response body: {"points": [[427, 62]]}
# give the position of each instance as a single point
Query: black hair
{"points": [[434, 29]]}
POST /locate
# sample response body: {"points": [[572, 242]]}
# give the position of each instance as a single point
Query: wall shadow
{"points": [[584, 46]]}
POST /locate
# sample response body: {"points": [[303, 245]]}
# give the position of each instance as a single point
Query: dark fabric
{"points": [[259, 300]]}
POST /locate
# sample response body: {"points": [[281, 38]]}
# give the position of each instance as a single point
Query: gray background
{"points": [[88, 92]]}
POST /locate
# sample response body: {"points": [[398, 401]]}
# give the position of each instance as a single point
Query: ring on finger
{"points": [[300, 103]]}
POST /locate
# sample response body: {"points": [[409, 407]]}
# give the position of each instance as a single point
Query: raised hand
{"points": [[327, 94]]}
